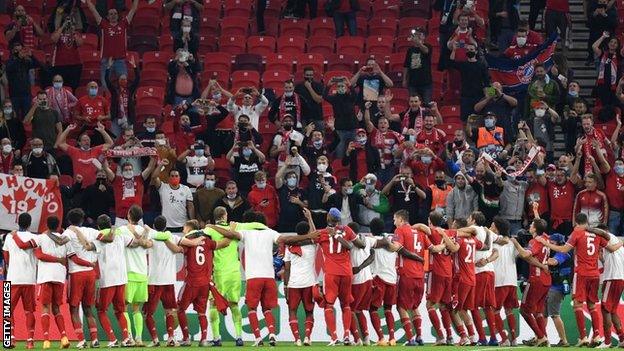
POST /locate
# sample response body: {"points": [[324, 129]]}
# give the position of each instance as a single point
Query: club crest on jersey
{"points": [[526, 71]]}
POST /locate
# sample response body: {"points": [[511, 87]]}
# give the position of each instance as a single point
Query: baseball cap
{"points": [[551, 167], [557, 238], [360, 130], [335, 213]]}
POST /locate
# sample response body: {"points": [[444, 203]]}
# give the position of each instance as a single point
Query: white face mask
{"points": [[322, 167], [7, 148], [521, 40], [540, 112], [261, 185], [161, 142], [186, 29], [127, 174], [231, 196], [37, 150], [288, 94]]}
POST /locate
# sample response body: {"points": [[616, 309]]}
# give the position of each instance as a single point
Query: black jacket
{"points": [[335, 200], [373, 161]]}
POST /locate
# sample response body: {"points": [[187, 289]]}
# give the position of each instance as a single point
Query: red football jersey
{"points": [[415, 241], [337, 260], [541, 253], [614, 188], [199, 263], [465, 259], [587, 251], [441, 262], [561, 202]]}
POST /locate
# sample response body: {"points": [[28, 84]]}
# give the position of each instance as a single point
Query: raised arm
{"points": [[94, 12]]}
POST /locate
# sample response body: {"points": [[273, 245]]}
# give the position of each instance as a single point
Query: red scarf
{"points": [[418, 121], [612, 60], [285, 139], [123, 103], [588, 148], [282, 107]]}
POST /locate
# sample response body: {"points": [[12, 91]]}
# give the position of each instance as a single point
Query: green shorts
{"points": [[229, 285], [136, 292]]}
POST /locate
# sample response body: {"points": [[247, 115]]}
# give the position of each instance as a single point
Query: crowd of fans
{"points": [[364, 157]]}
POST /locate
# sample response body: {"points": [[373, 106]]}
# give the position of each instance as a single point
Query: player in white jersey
{"points": [[52, 255], [21, 271], [136, 264], [82, 277], [299, 280]]}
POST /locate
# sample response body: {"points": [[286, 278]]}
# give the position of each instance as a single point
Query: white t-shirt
{"points": [[174, 204], [162, 261], [258, 246], [253, 111], [481, 234], [22, 263], [136, 257], [112, 261], [90, 235], [505, 265], [196, 170], [613, 261], [302, 268], [51, 271], [384, 265], [358, 256]]}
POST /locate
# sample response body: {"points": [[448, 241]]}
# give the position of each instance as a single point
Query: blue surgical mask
{"points": [[261, 185], [349, 191], [246, 152], [573, 93], [57, 85], [426, 159], [361, 140], [199, 152], [318, 143], [370, 187], [489, 123], [292, 182], [619, 170], [93, 91], [210, 184], [150, 129], [412, 138]]}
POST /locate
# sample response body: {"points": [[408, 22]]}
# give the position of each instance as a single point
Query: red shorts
{"points": [[439, 288], [611, 293], [26, 293], [51, 293], [384, 294], [585, 289], [81, 288], [411, 291], [534, 297], [484, 290], [362, 295], [261, 291], [156, 293], [196, 295], [112, 294], [465, 297], [298, 295], [506, 296], [337, 287]]}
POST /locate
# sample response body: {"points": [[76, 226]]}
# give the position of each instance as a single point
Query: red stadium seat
{"points": [[450, 127], [386, 9], [331, 74], [291, 45], [402, 44], [208, 26], [323, 45], [143, 43], [275, 80], [382, 26], [271, 27], [406, 24], [396, 61], [153, 77], [247, 62], [451, 112], [245, 79], [400, 96], [212, 9], [156, 60], [222, 77], [218, 61], [380, 45], [90, 59], [32, 7], [416, 8], [340, 62], [261, 45], [231, 26], [89, 41], [322, 26], [154, 95], [144, 24], [294, 27], [232, 44], [279, 62], [316, 61], [240, 8], [350, 45], [207, 44]]}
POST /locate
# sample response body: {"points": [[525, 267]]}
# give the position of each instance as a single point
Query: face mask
{"points": [[58, 85], [292, 182], [471, 54], [127, 174], [540, 112], [619, 170], [321, 167], [93, 92], [210, 184], [412, 138], [349, 191], [186, 29], [261, 185], [85, 147], [440, 182], [242, 125], [287, 126], [161, 142], [318, 143], [370, 187], [231, 196], [199, 152], [362, 141], [216, 96], [573, 93], [521, 40], [7, 148], [7, 112], [150, 129], [37, 150], [246, 152], [489, 123], [288, 94], [511, 178], [425, 159], [100, 181], [174, 181], [341, 90]]}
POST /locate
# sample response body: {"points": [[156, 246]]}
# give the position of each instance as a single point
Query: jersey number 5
{"points": [[591, 247]]}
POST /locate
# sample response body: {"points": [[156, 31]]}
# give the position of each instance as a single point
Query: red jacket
{"points": [[271, 211]]}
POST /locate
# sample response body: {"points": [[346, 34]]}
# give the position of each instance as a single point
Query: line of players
{"points": [[472, 270]]}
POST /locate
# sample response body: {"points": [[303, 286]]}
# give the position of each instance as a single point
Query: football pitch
{"points": [[322, 346]]}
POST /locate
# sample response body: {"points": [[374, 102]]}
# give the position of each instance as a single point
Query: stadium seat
{"points": [[165, 42], [208, 26], [386, 9], [331, 74], [275, 80], [450, 112], [90, 59], [379, 45], [222, 77], [232, 44], [148, 109], [212, 9], [316, 61], [144, 24], [350, 45], [402, 44], [271, 27], [154, 95], [279, 62], [340, 62], [382, 26], [32, 7], [416, 8], [89, 41], [261, 45], [156, 60], [400, 96], [154, 77], [322, 26], [294, 27], [291, 45], [396, 61], [143, 43], [218, 61], [323, 45], [245, 79], [406, 24], [241, 8], [247, 62], [232, 26], [207, 44], [396, 77]]}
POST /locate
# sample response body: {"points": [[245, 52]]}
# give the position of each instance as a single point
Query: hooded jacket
{"points": [[460, 203]]}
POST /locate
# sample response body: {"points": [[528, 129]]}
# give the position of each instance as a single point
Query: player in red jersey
{"points": [[536, 291], [587, 244]]}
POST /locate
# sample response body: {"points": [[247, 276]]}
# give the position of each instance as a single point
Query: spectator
{"points": [[520, 47], [220, 133], [185, 133], [556, 18], [85, 159], [246, 160], [18, 169], [90, 110], [245, 131], [300, 6], [264, 199], [128, 188], [103, 192], [128, 142], [533, 37], [386, 142], [22, 29], [123, 98], [361, 156], [613, 179], [462, 200], [8, 156], [439, 192], [572, 123], [176, 200], [62, 100], [543, 88], [414, 117], [67, 11], [489, 189], [290, 103], [474, 79], [165, 152], [371, 82], [374, 203], [536, 193], [260, 7], [431, 137], [46, 122], [343, 106], [344, 12], [292, 198], [285, 140], [311, 93], [346, 200], [183, 84], [113, 39], [543, 120], [608, 68], [148, 135], [462, 37], [234, 203], [66, 60], [38, 163], [314, 144], [405, 194], [321, 182], [11, 127], [417, 66], [247, 108], [592, 202], [447, 28], [561, 193], [490, 138], [197, 165], [424, 164], [456, 150], [17, 68], [499, 104], [180, 10], [601, 18], [205, 198], [504, 17], [185, 38], [512, 200], [535, 7]]}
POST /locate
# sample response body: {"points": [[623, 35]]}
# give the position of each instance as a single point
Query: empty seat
{"points": [[382, 26], [261, 45], [231, 26], [89, 41], [294, 27], [400, 96], [279, 62], [234, 44], [406, 24], [156, 60], [245, 79], [143, 43], [316, 61], [402, 44], [208, 26], [240, 8], [222, 77], [275, 80], [340, 62], [165, 42], [322, 26], [350, 45], [153, 77], [207, 43], [291, 45], [396, 61], [385, 9], [416, 8], [247, 62], [379, 45], [218, 61], [153, 95], [144, 24], [321, 45]]}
